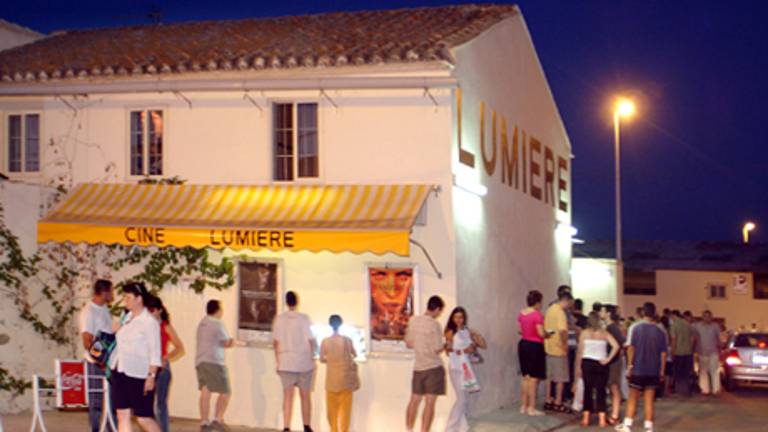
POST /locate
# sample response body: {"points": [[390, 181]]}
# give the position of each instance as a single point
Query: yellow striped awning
{"points": [[354, 218]]}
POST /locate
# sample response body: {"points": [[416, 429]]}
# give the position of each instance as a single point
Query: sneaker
{"points": [[205, 427], [219, 426], [622, 428], [533, 412]]}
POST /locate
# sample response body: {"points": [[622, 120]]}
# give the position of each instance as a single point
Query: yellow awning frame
{"points": [[336, 218]]}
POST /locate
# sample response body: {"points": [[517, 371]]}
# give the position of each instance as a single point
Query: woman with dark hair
{"points": [[168, 336], [341, 379], [533, 360], [592, 360], [460, 342], [136, 361]]}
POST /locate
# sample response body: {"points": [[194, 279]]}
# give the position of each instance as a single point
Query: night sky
{"points": [[694, 160]]}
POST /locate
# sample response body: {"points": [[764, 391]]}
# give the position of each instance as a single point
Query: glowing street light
{"points": [[625, 109], [749, 226]]}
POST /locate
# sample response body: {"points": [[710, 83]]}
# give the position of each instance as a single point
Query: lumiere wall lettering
{"points": [[544, 173], [252, 238]]}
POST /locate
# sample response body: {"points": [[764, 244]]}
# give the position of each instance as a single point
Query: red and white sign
{"points": [[71, 384]]}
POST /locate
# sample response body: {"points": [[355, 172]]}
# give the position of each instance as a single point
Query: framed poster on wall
{"points": [[393, 291], [258, 289]]}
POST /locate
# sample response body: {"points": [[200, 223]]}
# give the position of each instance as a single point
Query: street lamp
{"points": [[624, 108], [749, 226]]}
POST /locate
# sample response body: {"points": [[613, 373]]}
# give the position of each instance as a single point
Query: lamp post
{"points": [[749, 226], [624, 108]]}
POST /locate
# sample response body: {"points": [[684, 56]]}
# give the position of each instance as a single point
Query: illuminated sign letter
{"points": [[549, 175], [509, 158], [490, 165], [535, 168], [465, 157], [562, 184]]}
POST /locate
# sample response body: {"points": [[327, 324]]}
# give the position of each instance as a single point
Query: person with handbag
{"points": [[341, 378], [462, 344], [95, 321], [135, 362]]}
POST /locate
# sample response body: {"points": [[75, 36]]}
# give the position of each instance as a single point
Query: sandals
{"points": [[564, 409], [613, 421]]}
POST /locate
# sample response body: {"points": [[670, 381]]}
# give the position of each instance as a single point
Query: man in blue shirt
{"points": [[646, 359]]}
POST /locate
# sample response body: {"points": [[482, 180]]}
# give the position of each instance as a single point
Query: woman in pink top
{"points": [[531, 352]]}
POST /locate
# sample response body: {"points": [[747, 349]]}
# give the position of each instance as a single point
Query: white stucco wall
{"points": [[26, 352], [384, 136], [506, 241], [12, 35], [594, 280]]}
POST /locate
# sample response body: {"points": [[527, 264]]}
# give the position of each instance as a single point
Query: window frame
{"points": [[295, 102], [145, 142], [6, 166], [716, 286]]}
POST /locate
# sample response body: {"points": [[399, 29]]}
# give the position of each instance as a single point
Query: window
{"points": [[716, 291], [639, 282], [146, 143], [295, 149], [761, 286], [24, 143]]}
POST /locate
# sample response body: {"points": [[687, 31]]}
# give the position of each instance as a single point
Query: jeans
{"points": [[709, 373], [96, 396], [595, 381], [457, 420], [161, 397], [682, 370]]}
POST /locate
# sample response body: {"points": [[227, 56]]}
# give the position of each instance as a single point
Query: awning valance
{"points": [[354, 218]]}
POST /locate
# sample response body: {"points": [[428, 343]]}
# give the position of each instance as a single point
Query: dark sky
{"points": [[695, 159]]}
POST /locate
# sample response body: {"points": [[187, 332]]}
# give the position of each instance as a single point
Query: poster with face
{"points": [[392, 302], [258, 295]]}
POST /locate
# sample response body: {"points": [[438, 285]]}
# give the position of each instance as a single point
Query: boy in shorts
{"points": [[646, 360]]}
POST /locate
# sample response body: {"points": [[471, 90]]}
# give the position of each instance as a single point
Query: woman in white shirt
{"points": [[461, 341], [135, 362], [592, 359]]}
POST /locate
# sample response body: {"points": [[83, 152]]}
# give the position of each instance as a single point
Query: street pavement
{"points": [[745, 410]]}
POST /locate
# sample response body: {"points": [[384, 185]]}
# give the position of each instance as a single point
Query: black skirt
{"points": [[128, 393], [533, 360]]}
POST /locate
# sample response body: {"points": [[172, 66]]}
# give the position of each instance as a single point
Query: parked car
{"points": [[745, 359]]}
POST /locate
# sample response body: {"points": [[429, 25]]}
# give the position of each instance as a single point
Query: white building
{"points": [[13, 35], [445, 109], [727, 278]]}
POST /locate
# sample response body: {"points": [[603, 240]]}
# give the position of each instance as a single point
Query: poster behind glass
{"points": [[258, 295], [392, 292]]}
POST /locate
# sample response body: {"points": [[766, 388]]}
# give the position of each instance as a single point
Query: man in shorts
{"points": [[212, 376], [295, 356], [556, 347], [647, 360], [425, 337]]}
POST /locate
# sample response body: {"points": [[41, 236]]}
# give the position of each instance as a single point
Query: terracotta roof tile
{"points": [[324, 40]]}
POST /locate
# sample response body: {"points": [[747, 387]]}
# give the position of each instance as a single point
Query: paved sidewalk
{"points": [[56, 421]]}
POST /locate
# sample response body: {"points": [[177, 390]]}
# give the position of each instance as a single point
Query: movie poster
{"points": [[392, 304], [258, 295]]}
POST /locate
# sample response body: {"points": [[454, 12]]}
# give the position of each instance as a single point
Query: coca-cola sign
{"points": [[71, 389]]}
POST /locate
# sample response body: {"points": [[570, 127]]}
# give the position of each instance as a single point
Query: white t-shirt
{"points": [[291, 331], [95, 319]]}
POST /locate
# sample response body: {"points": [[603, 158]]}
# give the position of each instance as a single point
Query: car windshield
{"points": [[753, 340]]}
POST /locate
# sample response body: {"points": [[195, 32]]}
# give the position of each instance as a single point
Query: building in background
{"points": [[13, 35], [728, 278], [365, 160]]}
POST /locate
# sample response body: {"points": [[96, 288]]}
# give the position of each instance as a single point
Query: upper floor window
{"points": [[146, 143], [639, 282], [23, 143], [295, 146]]}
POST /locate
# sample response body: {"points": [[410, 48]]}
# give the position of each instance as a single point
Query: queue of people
{"points": [[643, 353], [145, 343]]}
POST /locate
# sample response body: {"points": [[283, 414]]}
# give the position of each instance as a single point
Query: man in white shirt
{"points": [[96, 318], [212, 375], [425, 337], [295, 357]]}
